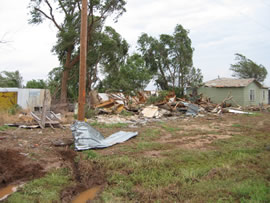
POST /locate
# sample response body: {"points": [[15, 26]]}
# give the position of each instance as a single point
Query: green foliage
{"points": [[132, 76], [153, 99], [90, 113], [170, 59], [246, 68], [39, 84], [10, 79], [54, 81], [67, 47]]}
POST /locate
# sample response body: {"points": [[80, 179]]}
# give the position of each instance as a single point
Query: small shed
{"points": [[245, 92], [27, 99]]}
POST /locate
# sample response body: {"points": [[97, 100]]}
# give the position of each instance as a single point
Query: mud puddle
{"points": [[89, 194], [6, 191]]}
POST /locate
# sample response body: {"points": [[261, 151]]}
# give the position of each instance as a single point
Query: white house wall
{"points": [[28, 99]]}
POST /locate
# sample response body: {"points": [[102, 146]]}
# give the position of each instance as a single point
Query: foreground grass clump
{"points": [[44, 190]]}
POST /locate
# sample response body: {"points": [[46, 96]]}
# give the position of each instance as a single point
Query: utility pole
{"points": [[83, 54]]}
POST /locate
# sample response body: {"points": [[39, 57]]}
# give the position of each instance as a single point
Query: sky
{"points": [[217, 28]]}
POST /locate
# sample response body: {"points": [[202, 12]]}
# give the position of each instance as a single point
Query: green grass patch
{"points": [[251, 190], [149, 134], [236, 171], [237, 125], [105, 125], [44, 190], [170, 128], [144, 146], [4, 127], [90, 154]]}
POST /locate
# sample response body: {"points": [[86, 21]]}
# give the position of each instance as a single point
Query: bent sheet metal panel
{"points": [[86, 137], [7, 100]]}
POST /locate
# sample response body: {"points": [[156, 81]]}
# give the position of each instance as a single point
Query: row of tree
{"points": [[168, 59]]}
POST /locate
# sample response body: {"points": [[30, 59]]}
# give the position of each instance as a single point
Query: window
{"points": [[252, 95], [263, 95]]}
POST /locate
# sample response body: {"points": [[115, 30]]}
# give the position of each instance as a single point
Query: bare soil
{"points": [[14, 167]]}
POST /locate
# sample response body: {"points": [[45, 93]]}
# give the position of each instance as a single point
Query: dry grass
{"points": [[5, 118]]}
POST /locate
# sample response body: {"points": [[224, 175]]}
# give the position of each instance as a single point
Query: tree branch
{"points": [[52, 16], [37, 9], [75, 60], [62, 6], [79, 7]]}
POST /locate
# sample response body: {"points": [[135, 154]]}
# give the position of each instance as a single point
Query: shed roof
{"points": [[230, 82]]}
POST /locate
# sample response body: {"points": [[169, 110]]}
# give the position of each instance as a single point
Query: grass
{"points": [[236, 125], [227, 170], [170, 128], [105, 125], [149, 134], [89, 154], [236, 171], [4, 127], [198, 176], [43, 190]]}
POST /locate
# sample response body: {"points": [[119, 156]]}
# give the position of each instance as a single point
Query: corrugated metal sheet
{"points": [[28, 98], [7, 99]]}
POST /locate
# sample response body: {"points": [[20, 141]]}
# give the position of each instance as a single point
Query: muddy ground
{"points": [[26, 154]]}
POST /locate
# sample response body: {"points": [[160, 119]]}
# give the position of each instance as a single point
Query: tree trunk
{"points": [[63, 97], [65, 74]]}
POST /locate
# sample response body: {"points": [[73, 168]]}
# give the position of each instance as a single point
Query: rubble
{"points": [[145, 106], [151, 112], [154, 105]]}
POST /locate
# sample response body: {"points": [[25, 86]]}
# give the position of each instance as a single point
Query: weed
{"points": [[14, 109], [89, 113], [89, 154]]}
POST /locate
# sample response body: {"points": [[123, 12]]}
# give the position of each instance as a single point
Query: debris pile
{"points": [[143, 107], [151, 104]]}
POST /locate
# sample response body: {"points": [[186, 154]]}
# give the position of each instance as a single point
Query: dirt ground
{"points": [[26, 154]]}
